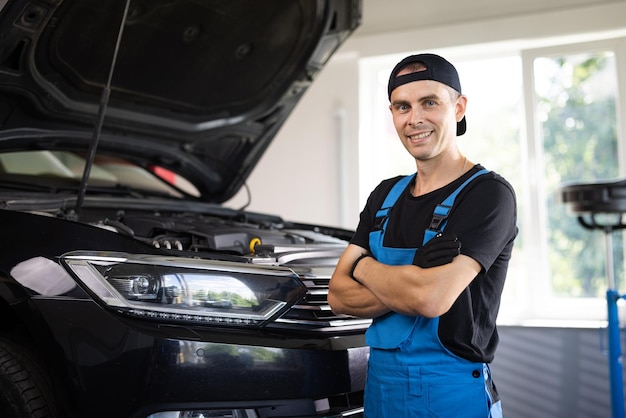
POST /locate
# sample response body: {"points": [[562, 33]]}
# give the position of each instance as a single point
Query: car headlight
{"points": [[187, 289]]}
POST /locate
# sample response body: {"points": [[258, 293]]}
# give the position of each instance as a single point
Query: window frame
{"points": [[545, 306]]}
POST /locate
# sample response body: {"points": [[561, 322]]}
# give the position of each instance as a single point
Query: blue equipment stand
{"points": [[613, 327], [591, 200]]}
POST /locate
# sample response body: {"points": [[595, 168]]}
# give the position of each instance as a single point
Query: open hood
{"points": [[199, 87]]}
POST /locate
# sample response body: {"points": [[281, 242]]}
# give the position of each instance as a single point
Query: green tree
{"points": [[580, 146]]}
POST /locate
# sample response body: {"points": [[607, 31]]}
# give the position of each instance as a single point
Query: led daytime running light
{"points": [[187, 289]]}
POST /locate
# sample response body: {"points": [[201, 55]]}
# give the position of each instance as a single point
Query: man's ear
{"points": [[461, 105]]}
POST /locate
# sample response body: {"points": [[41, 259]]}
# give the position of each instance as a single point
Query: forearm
{"points": [[346, 296], [412, 290], [393, 286]]}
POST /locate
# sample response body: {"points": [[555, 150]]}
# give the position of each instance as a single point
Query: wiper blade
{"points": [[57, 185], [45, 184], [124, 190]]}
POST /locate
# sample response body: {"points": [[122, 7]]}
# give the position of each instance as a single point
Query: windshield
{"points": [[113, 172]]}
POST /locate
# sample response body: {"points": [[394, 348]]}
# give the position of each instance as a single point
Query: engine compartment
{"points": [[219, 233], [199, 233]]}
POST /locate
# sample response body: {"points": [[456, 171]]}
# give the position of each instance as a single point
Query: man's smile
{"points": [[417, 137]]}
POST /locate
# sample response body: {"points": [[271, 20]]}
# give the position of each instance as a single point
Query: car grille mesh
{"points": [[314, 313]]}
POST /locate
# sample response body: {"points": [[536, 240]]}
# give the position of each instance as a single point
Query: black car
{"points": [[127, 287]]}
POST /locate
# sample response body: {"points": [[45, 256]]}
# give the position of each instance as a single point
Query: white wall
{"points": [[310, 172]]}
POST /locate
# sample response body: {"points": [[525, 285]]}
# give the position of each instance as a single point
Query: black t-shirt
{"points": [[484, 219]]}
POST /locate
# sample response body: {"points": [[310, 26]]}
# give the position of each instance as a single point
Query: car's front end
{"points": [[141, 332]]}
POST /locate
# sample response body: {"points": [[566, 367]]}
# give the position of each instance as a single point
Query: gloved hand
{"points": [[438, 251]]}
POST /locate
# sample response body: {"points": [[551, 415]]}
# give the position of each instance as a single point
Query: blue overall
{"points": [[411, 374]]}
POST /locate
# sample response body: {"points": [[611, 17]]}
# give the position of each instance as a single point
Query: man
{"points": [[433, 300]]}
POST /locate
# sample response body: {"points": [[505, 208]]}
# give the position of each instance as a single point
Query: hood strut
{"points": [[104, 100]]}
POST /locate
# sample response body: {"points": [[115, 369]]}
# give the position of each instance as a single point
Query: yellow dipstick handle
{"points": [[253, 243]]}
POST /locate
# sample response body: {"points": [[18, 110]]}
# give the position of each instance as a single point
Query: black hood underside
{"points": [[199, 87]]}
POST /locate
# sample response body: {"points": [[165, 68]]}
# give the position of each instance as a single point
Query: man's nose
{"points": [[416, 117]]}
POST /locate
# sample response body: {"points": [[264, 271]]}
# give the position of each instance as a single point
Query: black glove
{"points": [[438, 251]]}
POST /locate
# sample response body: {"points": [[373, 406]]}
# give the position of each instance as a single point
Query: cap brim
{"points": [[461, 127]]}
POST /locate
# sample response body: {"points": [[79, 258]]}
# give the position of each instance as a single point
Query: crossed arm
{"points": [[406, 289]]}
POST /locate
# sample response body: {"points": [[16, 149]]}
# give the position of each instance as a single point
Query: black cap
{"points": [[437, 69]]}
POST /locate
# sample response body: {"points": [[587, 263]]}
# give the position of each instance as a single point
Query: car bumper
{"points": [[116, 366]]}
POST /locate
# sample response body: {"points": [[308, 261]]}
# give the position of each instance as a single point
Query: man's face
{"points": [[425, 115]]}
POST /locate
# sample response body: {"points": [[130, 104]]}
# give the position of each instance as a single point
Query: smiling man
{"points": [[428, 260]]}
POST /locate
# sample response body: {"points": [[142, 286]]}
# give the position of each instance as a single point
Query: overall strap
{"points": [[440, 215], [383, 213]]}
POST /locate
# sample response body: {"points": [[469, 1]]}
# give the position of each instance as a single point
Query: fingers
{"points": [[438, 251]]}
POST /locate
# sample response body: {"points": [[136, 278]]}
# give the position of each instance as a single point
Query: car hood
{"points": [[199, 87]]}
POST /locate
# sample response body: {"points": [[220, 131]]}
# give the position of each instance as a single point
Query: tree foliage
{"points": [[580, 146]]}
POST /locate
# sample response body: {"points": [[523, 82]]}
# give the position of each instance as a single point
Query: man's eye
{"points": [[429, 103]]}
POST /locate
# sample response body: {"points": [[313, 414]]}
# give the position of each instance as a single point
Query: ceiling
{"points": [[397, 15]]}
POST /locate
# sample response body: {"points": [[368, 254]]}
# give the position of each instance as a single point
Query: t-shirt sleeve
{"points": [[485, 220]]}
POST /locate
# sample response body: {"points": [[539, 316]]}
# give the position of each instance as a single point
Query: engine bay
{"points": [[234, 234]]}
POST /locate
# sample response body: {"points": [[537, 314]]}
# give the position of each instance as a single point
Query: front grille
{"points": [[314, 266], [313, 311]]}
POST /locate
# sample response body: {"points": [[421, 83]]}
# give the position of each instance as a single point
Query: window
{"points": [[541, 118]]}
